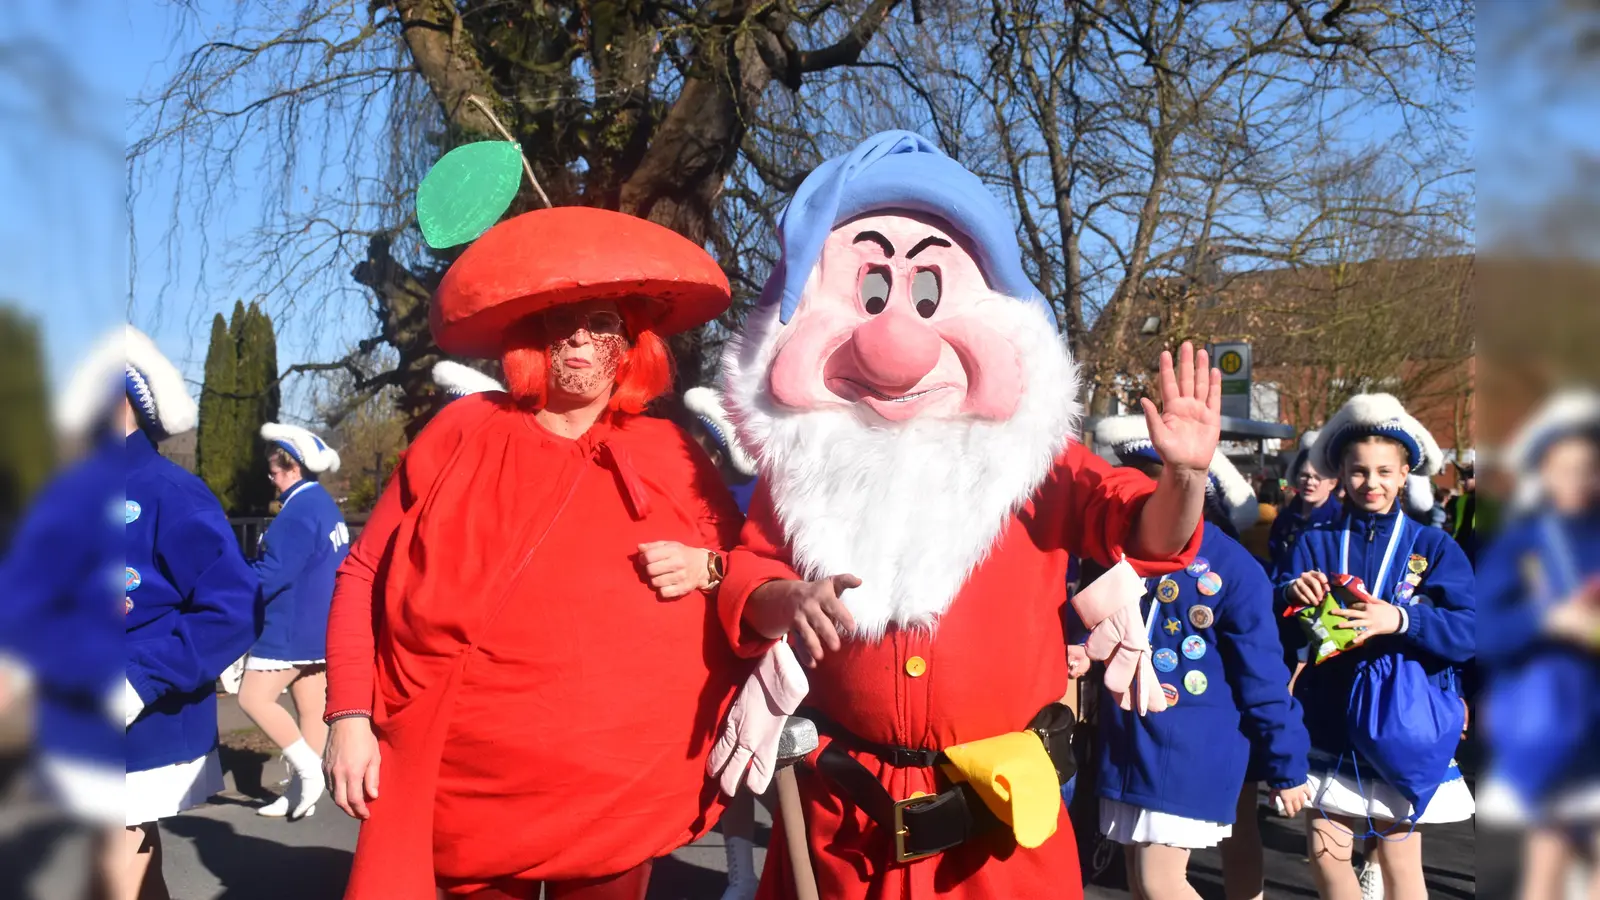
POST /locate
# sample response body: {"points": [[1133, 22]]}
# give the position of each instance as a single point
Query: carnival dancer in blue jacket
{"points": [[1171, 783], [1314, 501], [1369, 775], [191, 606], [58, 613], [300, 553], [1539, 636]]}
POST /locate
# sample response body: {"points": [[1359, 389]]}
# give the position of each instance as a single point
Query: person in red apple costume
{"points": [[913, 413], [525, 666]]}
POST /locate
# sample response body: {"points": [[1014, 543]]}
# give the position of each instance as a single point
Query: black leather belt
{"points": [[929, 825]]}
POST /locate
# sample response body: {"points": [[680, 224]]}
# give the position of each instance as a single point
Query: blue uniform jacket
{"points": [[192, 606], [1443, 613], [1286, 530], [1231, 690], [1520, 575], [59, 608], [300, 554]]}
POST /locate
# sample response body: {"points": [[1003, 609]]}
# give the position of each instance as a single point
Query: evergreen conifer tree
{"points": [[217, 449]]}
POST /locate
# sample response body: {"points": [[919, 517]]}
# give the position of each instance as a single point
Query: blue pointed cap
{"points": [[896, 170]]}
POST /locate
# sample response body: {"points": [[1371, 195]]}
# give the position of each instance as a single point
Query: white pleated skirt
{"points": [[156, 794], [1129, 824], [1500, 804], [263, 664], [94, 793], [1342, 794]]}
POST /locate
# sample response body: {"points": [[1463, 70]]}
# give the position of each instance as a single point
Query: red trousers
{"points": [[629, 885]]}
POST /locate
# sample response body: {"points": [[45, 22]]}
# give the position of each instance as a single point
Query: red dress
{"points": [[997, 656], [540, 712]]}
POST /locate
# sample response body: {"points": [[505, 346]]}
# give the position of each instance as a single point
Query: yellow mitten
{"points": [[1014, 776]]}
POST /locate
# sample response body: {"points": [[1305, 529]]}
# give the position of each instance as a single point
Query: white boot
{"points": [[742, 875], [277, 809], [1371, 880], [306, 784]]}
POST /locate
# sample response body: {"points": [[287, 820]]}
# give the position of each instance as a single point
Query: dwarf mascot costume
{"points": [[543, 716], [912, 410]]}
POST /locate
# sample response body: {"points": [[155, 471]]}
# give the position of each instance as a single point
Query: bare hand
{"points": [[1575, 620], [350, 764], [1077, 661], [1309, 588], [674, 570], [1186, 428], [1370, 619], [809, 610], [1290, 801]]}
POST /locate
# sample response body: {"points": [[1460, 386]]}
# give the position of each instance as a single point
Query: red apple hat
{"points": [[571, 254]]}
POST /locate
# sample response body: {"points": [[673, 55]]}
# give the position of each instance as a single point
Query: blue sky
{"points": [[64, 254]]}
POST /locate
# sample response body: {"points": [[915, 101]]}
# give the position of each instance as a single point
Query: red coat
{"points": [[997, 656], [541, 713]]}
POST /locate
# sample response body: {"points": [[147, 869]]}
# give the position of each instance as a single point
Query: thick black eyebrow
{"points": [[925, 243], [880, 240]]}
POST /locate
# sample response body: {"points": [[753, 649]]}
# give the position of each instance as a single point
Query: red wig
{"points": [[644, 373]]}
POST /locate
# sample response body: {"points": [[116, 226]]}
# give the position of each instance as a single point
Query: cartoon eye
{"points": [[925, 292], [875, 289]]}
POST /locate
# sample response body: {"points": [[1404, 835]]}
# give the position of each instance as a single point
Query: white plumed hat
{"points": [[152, 384], [706, 405], [307, 449], [1376, 414], [1129, 438], [459, 380]]}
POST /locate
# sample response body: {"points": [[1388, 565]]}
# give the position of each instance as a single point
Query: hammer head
{"points": [[798, 739]]}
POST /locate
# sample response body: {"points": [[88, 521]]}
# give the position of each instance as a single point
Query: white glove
{"points": [[1110, 608], [755, 721], [128, 703]]}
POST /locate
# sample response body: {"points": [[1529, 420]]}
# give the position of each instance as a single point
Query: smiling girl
{"points": [[1421, 610]]}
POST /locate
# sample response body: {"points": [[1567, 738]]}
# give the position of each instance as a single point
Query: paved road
{"points": [[224, 851]]}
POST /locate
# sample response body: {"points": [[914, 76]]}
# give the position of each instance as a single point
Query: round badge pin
{"points": [[1209, 584], [127, 605], [1404, 591], [1417, 565], [1194, 646], [1201, 616], [131, 579], [1171, 693], [1167, 590], [1198, 567], [1195, 683], [130, 512], [1165, 660]]}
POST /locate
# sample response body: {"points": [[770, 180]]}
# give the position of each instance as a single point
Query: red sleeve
{"points": [[760, 557], [1100, 511], [353, 617]]}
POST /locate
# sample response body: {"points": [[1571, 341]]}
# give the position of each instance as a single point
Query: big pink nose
{"points": [[895, 350]]}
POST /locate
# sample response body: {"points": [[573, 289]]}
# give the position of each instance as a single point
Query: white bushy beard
{"points": [[909, 508]]}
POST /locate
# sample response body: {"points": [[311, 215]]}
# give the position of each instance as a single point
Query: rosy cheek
{"points": [[796, 377], [995, 380]]}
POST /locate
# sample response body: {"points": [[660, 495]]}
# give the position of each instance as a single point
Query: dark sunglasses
{"points": [[564, 322]]}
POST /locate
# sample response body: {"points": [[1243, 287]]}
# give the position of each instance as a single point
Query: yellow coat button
{"points": [[915, 666]]}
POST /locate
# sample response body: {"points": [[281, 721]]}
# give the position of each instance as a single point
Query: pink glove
{"points": [[1110, 608], [755, 721]]}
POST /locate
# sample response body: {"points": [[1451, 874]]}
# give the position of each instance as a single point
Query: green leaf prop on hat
{"points": [[467, 191]]}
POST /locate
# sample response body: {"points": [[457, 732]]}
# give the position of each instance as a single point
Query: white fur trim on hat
{"points": [[1376, 414], [307, 449], [1568, 412], [156, 387], [1417, 500], [1131, 434], [1237, 496], [1123, 434], [93, 387], [706, 404], [459, 380]]}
